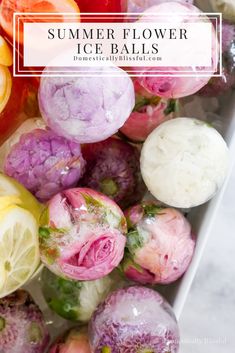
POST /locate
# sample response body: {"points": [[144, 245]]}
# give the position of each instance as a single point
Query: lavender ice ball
{"points": [[45, 163], [134, 319], [87, 109], [22, 327]]}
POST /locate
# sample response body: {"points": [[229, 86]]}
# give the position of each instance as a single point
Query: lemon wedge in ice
{"points": [[5, 86], [19, 248], [6, 57], [9, 187], [6, 201]]}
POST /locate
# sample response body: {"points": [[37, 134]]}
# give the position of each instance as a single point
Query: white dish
{"points": [[201, 218]]}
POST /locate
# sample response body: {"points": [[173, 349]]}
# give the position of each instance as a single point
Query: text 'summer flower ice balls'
{"points": [[131, 320], [87, 109], [172, 86], [184, 162], [82, 235], [160, 244]]}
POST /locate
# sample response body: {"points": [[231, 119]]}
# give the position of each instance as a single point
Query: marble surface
{"points": [[208, 320]]}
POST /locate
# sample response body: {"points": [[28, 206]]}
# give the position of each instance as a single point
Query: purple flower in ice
{"points": [[87, 109], [45, 163], [113, 168], [134, 319], [22, 328], [221, 84]]}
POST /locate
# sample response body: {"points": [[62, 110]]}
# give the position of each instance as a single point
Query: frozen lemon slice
{"points": [[6, 57], [5, 86], [19, 248], [10, 187], [6, 201]]}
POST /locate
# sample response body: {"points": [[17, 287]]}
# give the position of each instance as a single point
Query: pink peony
{"points": [[173, 86], [149, 112], [82, 236], [160, 244], [74, 341]]}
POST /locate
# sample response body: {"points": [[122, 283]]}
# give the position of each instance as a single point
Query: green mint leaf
{"points": [[151, 209], [172, 107], [134, 241], [44, 233]]}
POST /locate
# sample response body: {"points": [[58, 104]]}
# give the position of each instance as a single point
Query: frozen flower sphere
{"points": [[83, 235], [44, 162], [22, 328], [113, 168], [172, 86], [26, 127], [184, 162], [159, 242], [227, 7], [74, 300], [134, 319], [87, 109], [74, 341], [141, 5], [228, 48], [149, 112], [218, 85], [221, 84], [228, 35]]}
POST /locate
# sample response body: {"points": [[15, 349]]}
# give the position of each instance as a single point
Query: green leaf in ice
{"points": [[151, 210], [44, 233], [141, 102], [91, 201], [172, 107], [62, 295], [134, 241]]}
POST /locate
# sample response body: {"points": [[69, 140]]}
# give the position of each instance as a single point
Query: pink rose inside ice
{"points": [[85, 235], [160, 244], [149, 112], [168, 85], [73, 341]]}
